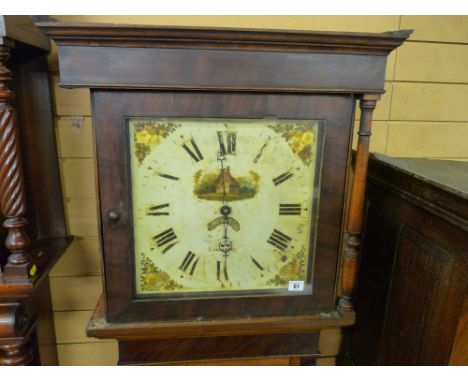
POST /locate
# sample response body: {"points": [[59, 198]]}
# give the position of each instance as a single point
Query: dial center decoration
{"points": [[224, 205], [210, 186]]}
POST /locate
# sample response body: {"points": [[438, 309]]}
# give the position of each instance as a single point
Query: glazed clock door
{"points": [[223, 205], [220, 205]]}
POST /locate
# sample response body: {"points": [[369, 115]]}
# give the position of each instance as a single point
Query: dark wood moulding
{"points": [[65, 33], [99, 327], [220, 58]]}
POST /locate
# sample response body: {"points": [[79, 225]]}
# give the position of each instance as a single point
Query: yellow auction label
{"points": [[33, 270]]}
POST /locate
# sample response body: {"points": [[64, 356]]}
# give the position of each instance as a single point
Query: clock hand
{"points": [[221, 159], [225, 244], [261, 150]]}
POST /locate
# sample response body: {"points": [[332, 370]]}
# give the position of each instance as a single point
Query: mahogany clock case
{"points": [[110, 110], [150, 71]]}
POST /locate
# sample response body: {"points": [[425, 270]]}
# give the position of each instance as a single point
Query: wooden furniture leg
{"points": [[15, 345]]}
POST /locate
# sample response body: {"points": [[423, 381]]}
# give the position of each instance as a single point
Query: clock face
{"points": [[224, 205]]}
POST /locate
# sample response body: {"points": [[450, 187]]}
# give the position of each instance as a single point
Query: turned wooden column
{"points": [[15, 344], [356, 207], [12, 192]]}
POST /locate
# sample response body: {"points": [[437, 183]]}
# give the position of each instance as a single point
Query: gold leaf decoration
{"points": [[301, 138], [152, 278], [148, 134], [293, 270]]}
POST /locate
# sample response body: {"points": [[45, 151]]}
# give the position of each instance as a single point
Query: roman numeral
{"points": [[257, 264], [158, 210], [167, 176], [228, 147], [290, 209], [232, 141], [282, 178], [189, 260], [197, 155], [219, 270], [166, 239], [279, 240]]}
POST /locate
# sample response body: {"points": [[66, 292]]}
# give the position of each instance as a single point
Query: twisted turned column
{"points": [[356, 207], [12, 193]]}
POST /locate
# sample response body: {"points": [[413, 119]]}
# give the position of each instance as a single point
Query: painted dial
{"points": [[223, 205]]}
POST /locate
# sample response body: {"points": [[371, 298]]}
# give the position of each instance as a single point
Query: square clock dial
{"points": [[224, 205]]}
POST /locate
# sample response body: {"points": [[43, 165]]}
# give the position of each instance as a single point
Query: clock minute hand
{"points": [[221, 159], [225, 210], [225, 244]]}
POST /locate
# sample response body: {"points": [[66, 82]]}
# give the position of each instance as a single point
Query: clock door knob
{"points": [[113, 215]]}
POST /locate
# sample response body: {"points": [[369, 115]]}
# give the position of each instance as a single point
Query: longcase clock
{"points": [[223, 159]]}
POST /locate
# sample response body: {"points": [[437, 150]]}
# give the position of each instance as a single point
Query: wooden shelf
{"points": [[45, 252]]}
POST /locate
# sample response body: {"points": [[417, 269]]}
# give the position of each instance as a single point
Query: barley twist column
{"points": [[12, 192]]}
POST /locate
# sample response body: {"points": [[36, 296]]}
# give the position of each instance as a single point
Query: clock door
{"points": [[220, 205]]}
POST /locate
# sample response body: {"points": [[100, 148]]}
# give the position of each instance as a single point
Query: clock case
{"points": [[227, 73]]}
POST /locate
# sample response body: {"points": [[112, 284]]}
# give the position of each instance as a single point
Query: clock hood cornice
{"points": [[220, 59], [92, 34]]}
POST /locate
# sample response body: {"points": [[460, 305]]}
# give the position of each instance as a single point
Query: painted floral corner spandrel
{"points": [[152, 278], [148, 134], [294, 269], [301, 138]]}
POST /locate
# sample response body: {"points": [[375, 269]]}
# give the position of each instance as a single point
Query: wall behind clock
{"points": [[424, 113]]}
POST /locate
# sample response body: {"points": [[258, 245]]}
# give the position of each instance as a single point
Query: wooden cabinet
{"points": [[33, 233], [411, 297], [160, 82]]}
